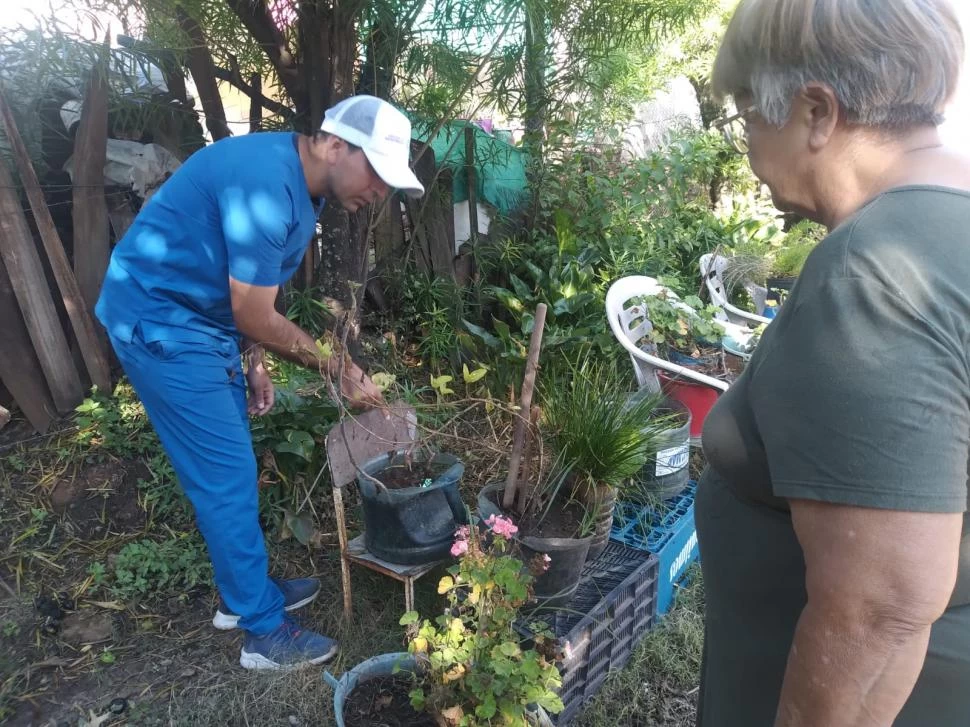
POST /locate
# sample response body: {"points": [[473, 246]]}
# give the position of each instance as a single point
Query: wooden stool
{"points": [[350, 444]]}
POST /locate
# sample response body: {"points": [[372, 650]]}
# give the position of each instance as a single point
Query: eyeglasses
{"points": [[735, 129]]}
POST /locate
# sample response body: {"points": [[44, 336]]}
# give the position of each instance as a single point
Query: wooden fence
{"points": [[51, 348]]}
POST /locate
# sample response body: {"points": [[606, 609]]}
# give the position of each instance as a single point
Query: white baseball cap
{"points": [[384, 135]]}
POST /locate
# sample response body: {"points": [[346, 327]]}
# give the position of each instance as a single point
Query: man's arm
{"points": [[253, 308], [259, 322], [876, 582]]}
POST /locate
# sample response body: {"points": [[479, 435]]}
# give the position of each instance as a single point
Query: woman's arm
{"points": [[876, 582]]}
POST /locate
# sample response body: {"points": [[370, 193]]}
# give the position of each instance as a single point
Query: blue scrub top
{"points": [[239, 208]]}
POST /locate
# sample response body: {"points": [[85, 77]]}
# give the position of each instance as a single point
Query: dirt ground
{"points": [[72, 655]]}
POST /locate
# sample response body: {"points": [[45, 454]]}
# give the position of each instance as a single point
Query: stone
{"points": [[86, 628]]}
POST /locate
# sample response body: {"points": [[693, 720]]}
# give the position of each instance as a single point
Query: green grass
{"points": [[659, 684], [165, 611]]}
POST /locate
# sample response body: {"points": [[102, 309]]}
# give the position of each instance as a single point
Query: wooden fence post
{"points": [[95, 357], [471, 170], [19, 368], [29, 284], [92, 239]]}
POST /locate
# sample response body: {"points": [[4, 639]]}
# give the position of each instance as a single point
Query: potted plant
{"points": [[411, 505], [465, 668], [776, 265], [686, 332], [600, 438], [597, 440]]}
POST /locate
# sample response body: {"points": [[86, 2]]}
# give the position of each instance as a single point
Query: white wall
{"points": [[956, 130]]}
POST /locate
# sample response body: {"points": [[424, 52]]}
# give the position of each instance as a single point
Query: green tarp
{"points": [[500, 165]]}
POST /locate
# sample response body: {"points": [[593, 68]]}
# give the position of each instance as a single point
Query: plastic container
{"points": [[605, 502], [412, 525], [698, 398], [614, 607], [567, 555], [377, 666], [386, 665], [667, 472], [668, 533]]}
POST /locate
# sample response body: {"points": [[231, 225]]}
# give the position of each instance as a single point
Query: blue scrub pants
{"points": [[195, 397]]}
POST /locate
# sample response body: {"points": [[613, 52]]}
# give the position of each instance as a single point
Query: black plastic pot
{"points": [[567, 556], [666, 473], [779, 288], [412, 525]]}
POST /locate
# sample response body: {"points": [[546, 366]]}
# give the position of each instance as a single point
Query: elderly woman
{"points": [[835, 547]]}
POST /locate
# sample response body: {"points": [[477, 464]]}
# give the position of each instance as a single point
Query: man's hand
{"points": [[262, 395], [357, 388]]}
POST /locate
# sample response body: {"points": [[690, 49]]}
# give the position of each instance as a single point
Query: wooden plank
{"points": [[388, 232], [433, 245], [29, 283], [92, 350], [92, 241], [19, 367], [471, 171]]}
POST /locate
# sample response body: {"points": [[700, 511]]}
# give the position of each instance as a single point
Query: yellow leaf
{"points": [[440, 384], [445, 584], [420, 645], [325, 349], [457, 627], [472, 376], [383, 381], [475, 595], [453, 674]]}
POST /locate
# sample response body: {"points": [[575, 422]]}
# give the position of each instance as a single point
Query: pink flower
{"points": [[462, 533], [460, 547], [501, 526], [546, 560]]}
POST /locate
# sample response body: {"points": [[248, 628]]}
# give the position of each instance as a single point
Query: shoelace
{"points": [[292, 628]]}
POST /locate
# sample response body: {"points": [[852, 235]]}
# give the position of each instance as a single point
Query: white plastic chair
{"points": [[712, 273], [630, 323]]}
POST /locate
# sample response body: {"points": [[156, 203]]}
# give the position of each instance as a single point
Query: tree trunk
{"points": [[204, 73], [256, 104]]}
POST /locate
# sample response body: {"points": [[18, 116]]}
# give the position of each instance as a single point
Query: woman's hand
{"points": [[262, 394]]}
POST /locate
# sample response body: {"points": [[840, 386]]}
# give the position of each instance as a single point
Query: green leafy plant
{"points": [[306, 308], [685, 330], [148, 568], [598, 437], [474, 672], [289, 442], [116, 425]]}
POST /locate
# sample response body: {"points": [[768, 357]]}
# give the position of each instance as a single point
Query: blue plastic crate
{"points": [[668, 533]]}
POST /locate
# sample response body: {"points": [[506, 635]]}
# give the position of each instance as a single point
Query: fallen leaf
{"points": [[112, 605]]}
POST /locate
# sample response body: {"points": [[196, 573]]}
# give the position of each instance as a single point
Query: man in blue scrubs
{"points": [[193, 283]]}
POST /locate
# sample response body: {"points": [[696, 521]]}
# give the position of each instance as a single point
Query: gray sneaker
{"points": [[297, 593], [288, 647]]}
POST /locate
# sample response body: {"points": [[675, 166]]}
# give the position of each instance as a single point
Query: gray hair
{"points": [[892, 64]]}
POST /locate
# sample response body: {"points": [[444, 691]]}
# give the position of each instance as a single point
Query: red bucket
{"points": [[698, 398]]}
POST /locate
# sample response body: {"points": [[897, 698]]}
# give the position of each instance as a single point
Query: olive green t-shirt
{"points": [[858, 394]]}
